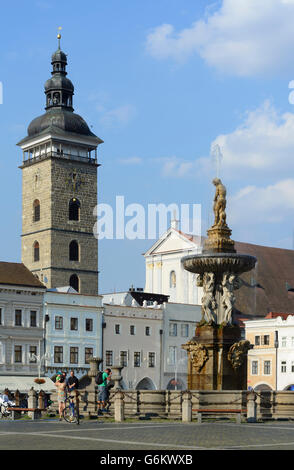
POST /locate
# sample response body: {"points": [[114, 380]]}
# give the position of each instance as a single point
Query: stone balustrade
{"points": [[179, 405]]}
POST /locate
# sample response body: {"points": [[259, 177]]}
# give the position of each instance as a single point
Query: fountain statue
{"points": [[217, 355]]}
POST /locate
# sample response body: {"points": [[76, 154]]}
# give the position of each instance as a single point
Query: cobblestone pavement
{"points": [[99, 435]]}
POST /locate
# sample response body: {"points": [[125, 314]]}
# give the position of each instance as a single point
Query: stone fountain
{"points": [[217, 357]]}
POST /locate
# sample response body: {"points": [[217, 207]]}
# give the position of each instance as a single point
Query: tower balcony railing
{"points": [[29, 158]]}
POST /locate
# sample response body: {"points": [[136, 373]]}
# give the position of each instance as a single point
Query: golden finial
{"points": [[59, 36]]}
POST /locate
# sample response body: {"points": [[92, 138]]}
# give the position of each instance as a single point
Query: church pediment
{"points": [[172, 241]]}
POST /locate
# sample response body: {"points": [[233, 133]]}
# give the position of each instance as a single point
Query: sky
{"points": [[161, 82]]}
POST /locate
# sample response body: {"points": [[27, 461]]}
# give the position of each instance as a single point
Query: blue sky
{"points": [[160, 81]]}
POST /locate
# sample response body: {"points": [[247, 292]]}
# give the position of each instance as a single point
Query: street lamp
{"points": [[39, 359]]}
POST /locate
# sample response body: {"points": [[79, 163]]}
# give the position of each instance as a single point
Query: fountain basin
{"points": [[218, 263]]}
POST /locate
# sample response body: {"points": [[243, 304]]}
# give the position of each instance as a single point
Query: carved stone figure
{"points": [[237, 353], [198, 354], [219, 203], [228, 298], [208, 299]]}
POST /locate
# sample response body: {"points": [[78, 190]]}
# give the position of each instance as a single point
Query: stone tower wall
{"points": [[52, 182]]}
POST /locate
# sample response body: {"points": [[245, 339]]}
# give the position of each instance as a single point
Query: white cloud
{"points": [[272, 204], [131, 161], [243, 37], [121, 115], [261, 146]]}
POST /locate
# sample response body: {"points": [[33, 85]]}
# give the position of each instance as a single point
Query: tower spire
{"points": [[59, 89], [59, 37]]}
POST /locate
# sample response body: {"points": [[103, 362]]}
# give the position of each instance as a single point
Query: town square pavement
{"points": [[157, 436]]}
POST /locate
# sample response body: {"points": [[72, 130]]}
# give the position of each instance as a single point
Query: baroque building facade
{"points": [[59, 190]]}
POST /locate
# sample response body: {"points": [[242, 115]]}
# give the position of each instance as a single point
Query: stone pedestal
{"points": [[217, 358], [116, 376], [92, 395]]}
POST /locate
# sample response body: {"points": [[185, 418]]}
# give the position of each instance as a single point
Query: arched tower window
{"points": [[74, 251], [172, 279], [36, 251], [74, 209], [74, 282], [37, 212]]}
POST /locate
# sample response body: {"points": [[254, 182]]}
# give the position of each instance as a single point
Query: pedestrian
{"points": [[72, 382], [60, 384], [104, 392]]}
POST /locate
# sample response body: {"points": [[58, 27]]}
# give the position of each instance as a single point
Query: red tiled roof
{"points": [[17, 274], [276, 315], [273, 276]]}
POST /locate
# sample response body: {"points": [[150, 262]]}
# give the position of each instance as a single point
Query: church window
{"points": [[73, 251], [74, 282], [74, 209], [37, 212], [36, 251], [172, 280]]}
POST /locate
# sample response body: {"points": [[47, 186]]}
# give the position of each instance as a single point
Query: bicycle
{"points": [[71, 411]]}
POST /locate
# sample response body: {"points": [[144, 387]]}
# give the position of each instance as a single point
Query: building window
{"points": [[74, 282], [33, 318], [0, 316], [74, 355], [254, 367], [265, 340], [36, 251], [184, 330], [132, 329], [173, 329], [124, 358], [88, 354], [137, 359], [58, 323], [36, 209], [172, 279], [151, 359], [58, 354], [18, 315], [17, 353], [292, 366], [89, 324], [172, 355], [283, 367], [74, 251], [74, 324], [284, 342], [267, 367], [33, 350], [147, 331], [117, 329], [109, 358], [257, 341], [74, 209]]}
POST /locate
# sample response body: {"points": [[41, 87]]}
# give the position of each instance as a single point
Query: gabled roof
{"points": [[17, 274], [161, 245]]}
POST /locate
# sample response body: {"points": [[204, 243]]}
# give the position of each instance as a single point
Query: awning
{"points": [[24, 383]]}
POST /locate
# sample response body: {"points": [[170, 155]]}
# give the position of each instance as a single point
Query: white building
{"points": [[147, 339], [271, 361], [132, 337], [164, 271], [73, 330], [21, 327]]}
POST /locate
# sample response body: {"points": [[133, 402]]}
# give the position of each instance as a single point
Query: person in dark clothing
{"points": [[72, 382]]}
